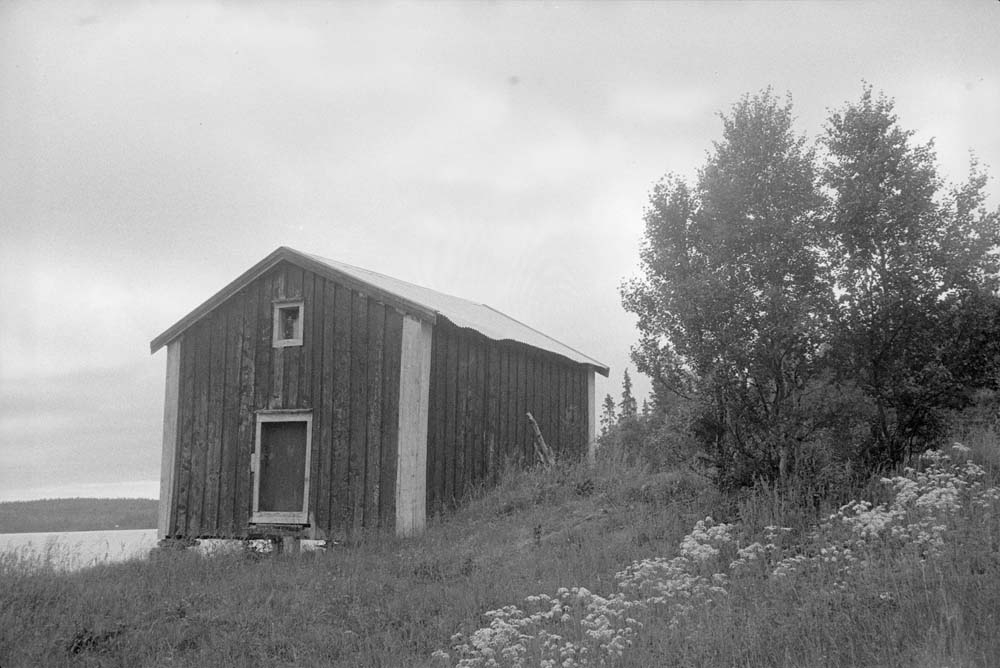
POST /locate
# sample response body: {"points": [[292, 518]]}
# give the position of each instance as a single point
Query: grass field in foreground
{"points": [[575, 566]]}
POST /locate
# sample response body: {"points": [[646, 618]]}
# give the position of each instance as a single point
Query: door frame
{"points": [[281, 517]]}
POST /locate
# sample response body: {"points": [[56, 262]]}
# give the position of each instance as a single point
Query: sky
{"points": [[501, 151]]}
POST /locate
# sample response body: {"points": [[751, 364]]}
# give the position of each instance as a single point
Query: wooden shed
{"points": [[313, 398]]}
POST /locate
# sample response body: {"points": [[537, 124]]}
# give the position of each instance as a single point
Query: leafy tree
{"points": [[608, 418], [627, 407], [915, 271], [816, 311], [734, 306]]}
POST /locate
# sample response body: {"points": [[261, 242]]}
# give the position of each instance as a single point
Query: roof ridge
{"points": [[418, 300], [400, 280], [451, 296]]}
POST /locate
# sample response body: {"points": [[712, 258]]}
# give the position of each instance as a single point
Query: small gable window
{"points": [[287, 324]]}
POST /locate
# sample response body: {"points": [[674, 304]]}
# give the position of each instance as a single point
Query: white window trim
{"points": [[278, 342], [284, 517]]}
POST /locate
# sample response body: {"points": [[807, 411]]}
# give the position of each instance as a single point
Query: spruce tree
{"points": [[627, 407], [608, 418]]}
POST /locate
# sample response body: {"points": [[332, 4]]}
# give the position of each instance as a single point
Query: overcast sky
{"points": [[501, 152]]}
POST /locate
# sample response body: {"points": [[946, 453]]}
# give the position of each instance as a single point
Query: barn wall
{"points": [[346, 372], [480, 391]]}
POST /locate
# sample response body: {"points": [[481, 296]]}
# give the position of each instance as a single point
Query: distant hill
{"points": [[77, 515]]}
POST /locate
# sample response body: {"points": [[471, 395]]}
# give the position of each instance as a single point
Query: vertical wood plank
{"points": [[392, 354], [373, 452], [264, 360], [311, 390], [545, 400], [343, 326], [542, 396], [168, 453], [462, 417], [324, 498], [503, 402], [581, 389], [440, 416], [557, 405], [529, 406], [574, 403], [513, 445], [557, 413], [245, 429], [451, 415], [294, 355], [435, 426], [492, 410], [572, 413], [295, 282], [280, 273], [199, 448], [230, 414], [312, 329], [415, 360], [551, 401], [536, 395], [214, 419], [277, 399], [520, 402], [472, 435], [359, 406], [478, 410], [555, 400], [591, 417], [187, 404], [311, 394]]}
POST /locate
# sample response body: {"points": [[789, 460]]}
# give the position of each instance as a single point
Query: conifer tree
{"points": [[627, 407], [608, 418]]}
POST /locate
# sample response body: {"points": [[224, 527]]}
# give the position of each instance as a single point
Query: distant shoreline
{"points": [[77, 514]]}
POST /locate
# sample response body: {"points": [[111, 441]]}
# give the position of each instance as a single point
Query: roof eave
{"points": [[601, 369], [302, 260]]}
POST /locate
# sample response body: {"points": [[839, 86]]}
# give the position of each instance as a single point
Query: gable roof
{"points": [[413, 299]]}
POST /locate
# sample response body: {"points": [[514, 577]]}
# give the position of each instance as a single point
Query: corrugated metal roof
{"points": [[420, 301], [484, 319]]}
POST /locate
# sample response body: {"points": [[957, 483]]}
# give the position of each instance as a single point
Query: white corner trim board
{"points": [[171, 400], [414, 398]]}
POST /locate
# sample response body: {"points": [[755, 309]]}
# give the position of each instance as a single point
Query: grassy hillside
{"points": [[77, 515], [575, 566]]}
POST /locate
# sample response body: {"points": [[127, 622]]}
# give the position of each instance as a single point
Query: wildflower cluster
{"points": [[760, 558], [577, 627], [685, 580], [573, 628], [925, 509]]}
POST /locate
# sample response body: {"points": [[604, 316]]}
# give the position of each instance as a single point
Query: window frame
{"points": [[276, 340], [258, 516]]}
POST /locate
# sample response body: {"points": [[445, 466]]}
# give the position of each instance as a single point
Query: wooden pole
{"points": [[542, 451]]}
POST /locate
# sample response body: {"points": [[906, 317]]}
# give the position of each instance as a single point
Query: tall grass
{"points": [[637, 574], [385, 602], [910, 581]]}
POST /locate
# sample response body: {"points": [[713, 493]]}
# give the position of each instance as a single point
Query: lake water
{"points": [[77, 549], [70, 550]]}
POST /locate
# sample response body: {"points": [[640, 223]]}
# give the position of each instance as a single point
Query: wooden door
{"points": [[281, 483]]}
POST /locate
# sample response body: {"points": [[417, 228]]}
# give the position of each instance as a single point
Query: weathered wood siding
{"points": [[480, 391], [346, 372]]}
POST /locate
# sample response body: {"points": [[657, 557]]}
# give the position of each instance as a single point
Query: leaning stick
{"points": [[542, 450]]}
